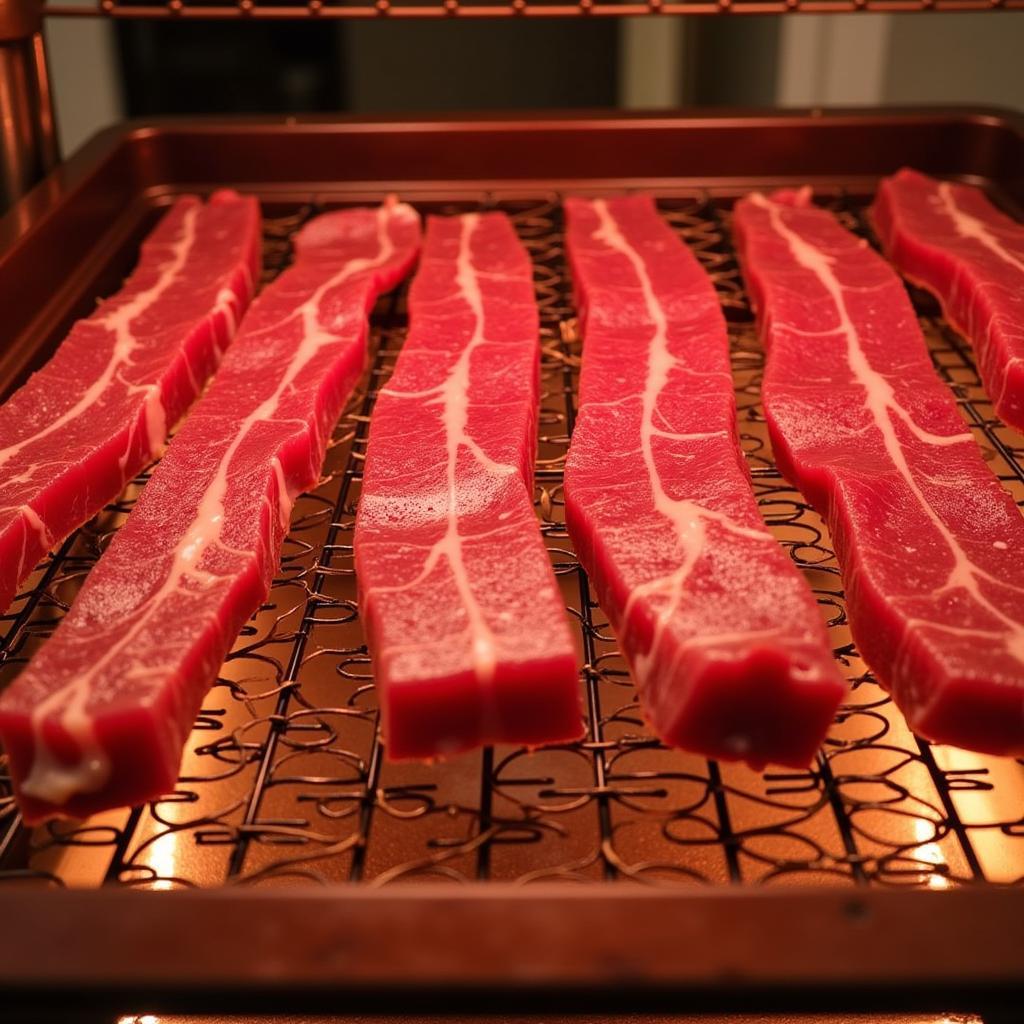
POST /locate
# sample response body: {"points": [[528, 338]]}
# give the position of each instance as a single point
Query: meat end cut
{"points": [[464, 618], [99, 410], [929, 542], [100, 716], [722, 634], [951, 240]]}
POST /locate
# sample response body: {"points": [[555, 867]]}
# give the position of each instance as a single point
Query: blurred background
{"points": [[103, 72]]}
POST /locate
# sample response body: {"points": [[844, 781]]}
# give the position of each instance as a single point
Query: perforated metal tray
{"points": [[889, 873]]}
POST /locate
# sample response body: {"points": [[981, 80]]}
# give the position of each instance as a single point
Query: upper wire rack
{"points": [[341, 9]]}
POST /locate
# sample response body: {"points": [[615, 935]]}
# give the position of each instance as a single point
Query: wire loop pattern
{"points": [[284, 779]]}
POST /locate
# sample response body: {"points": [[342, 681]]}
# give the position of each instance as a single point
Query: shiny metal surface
{"points": [[46, 120], [557, 1018], [28, 141], [192, 10], [19, 164], [19, 19], [284, 781]]}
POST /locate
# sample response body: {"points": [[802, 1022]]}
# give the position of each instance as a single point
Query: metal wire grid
{"points": [[344, 9], [284, 780]]}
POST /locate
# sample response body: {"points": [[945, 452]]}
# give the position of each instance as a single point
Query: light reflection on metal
{"points": [[186, 10]]}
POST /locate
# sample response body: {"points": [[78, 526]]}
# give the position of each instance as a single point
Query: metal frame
{"points": [[28, 141], [592, 947], [28, 147], [501, 949], [325, 9]]}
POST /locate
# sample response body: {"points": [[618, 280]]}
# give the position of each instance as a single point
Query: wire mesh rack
{"points": [[284, 781], [332, 9]]}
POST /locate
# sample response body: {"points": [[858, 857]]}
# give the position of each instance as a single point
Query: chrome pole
{"points": [[49, 149], [28, 146]]}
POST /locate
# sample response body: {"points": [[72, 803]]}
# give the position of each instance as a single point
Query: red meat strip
{"points": [[469, 633], [951, 240], [85, 424], [929, 542], [100, 716], [723, 636]]}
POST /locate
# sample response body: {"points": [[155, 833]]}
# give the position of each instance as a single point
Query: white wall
{"points": [[960, 58], [653, 66], [83, 72], [830, 60], [866, 59]]}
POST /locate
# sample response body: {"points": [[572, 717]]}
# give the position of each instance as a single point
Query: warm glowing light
{"points": [[162, 857], [930, 852]]}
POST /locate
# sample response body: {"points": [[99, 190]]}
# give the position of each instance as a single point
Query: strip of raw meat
{"points": [[929, 542], [100, 716], [951, 240], [723, 636], [85, 424], [463, 614]]}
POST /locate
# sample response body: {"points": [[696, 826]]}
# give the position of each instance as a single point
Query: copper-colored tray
{"points": [[890, 873]]}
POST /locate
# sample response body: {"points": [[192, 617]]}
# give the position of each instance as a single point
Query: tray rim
{"points": [[684, 949], [596, 944], [95, 154]]}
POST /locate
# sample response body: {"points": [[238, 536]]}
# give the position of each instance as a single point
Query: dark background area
{"points": [[188, 69], [394, 66]]}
